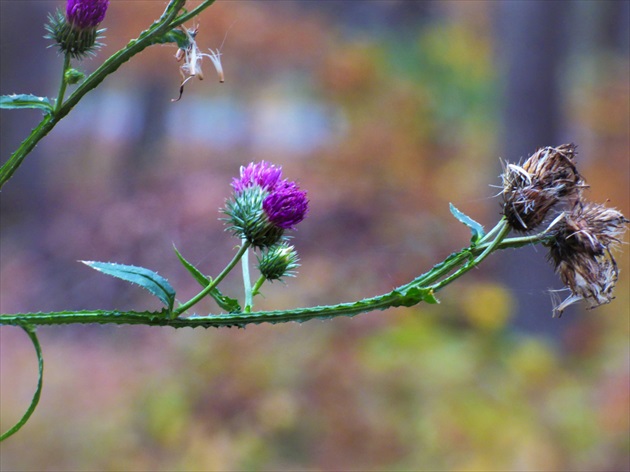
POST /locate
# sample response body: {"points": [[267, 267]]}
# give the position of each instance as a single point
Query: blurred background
{"points": [[384, 111]]}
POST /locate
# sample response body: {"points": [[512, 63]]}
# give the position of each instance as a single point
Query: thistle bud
{"points": [[73, 76], [581, 252], [531, 190], [76, 32], [278, 261], [264, 205]]}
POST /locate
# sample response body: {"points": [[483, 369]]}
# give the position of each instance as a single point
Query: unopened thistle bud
{"points": [[73, 76], [278, 261], [76, 32], [581, 252], [264, 205], [531, 190]]}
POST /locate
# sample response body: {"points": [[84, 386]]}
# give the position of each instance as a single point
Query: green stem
{"points": [[502, 232], [64, 83], [166, 23], [455, 260], [488, 236], [256, 288], [183, 18], [249, 299], [30, 331], [42, 129], [194, 300]]}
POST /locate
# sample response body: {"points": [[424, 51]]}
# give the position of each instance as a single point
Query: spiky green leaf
{"points": [[145, 278]]}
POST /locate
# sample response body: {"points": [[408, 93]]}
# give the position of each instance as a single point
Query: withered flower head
{"points": [[588, 278], [588, 228], [580, 252], [531, 190]]}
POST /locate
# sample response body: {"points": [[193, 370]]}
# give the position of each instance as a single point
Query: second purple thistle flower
{"points": [[286, 205]]}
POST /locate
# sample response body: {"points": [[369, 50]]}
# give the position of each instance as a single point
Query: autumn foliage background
{"points": [[385, 112]]}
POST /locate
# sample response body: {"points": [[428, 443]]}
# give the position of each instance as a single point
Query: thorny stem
{"points": [[166, 23], [397, 297]]}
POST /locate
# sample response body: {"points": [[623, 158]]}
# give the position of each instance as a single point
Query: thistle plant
{"points": [[543, 203]]}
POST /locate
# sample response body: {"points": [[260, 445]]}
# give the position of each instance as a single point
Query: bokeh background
{"points": [[385, 111]]}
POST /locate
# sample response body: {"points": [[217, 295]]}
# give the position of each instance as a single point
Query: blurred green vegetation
{"points": [[410, 123]]}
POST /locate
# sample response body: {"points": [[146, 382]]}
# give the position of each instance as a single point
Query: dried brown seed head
{"points": [[531, 190]]}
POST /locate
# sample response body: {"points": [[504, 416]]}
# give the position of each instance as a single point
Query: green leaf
{"points": [[196, 273], [30, 331], [176, 36], [413, 295], [475, 228], [147, 279], [229, 304], [25, 101]]}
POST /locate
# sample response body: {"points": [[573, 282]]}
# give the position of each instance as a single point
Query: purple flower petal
{"points": [[263, 174], [86, 14], [286, 206]]}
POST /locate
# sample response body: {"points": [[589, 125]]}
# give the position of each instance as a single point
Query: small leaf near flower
{"points": [[73, 76], [475, 228]]}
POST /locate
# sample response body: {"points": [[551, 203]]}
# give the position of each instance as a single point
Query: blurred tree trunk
{"points": [[146, 149], [24, 66], [532, 41], [530, 38]]}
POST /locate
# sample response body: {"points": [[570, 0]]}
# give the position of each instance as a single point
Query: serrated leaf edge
{"points": [[155, 278]]}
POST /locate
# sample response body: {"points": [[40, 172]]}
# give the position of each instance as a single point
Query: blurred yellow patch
{"points": [[166, 413], [487, 306], [533, 361]]}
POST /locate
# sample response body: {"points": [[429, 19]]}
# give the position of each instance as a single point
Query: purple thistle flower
{"points": [[264, 175], [286, 205], [264, 205], [84, 14], [76, 33]]}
